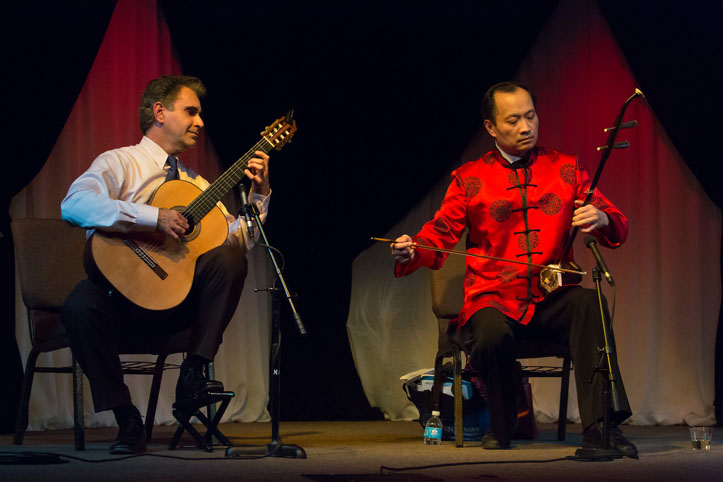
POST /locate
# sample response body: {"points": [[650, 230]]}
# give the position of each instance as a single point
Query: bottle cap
{"points": [[435, 413]]}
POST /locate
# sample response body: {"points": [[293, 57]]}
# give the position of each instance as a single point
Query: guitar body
{"points": [[164, 281]]}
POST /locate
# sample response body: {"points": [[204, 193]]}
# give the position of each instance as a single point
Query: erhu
{"points": [[552, 277]]}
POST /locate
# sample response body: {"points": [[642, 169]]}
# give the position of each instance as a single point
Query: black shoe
{"points": [[491, 442], [592, 438], [193, 385], [131, 437]]}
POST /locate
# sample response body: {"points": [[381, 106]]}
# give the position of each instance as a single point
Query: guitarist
{"points": [[113, 195], [518, 202]]}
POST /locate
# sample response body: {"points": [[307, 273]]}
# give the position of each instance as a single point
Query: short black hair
{"points": [[165, 90], [489, 108]]}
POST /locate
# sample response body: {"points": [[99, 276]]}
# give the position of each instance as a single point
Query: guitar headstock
{"points": [[280, 131]]}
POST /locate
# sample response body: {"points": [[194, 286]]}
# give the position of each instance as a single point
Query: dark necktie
{"points": [[173, 169]]}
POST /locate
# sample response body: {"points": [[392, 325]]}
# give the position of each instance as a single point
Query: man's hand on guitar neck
{"points": [[258, 172], [172, 223]]}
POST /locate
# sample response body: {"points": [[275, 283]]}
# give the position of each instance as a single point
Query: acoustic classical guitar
{"points": [[151, 269]]}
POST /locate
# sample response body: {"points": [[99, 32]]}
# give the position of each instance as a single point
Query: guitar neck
{"points": [[201, 206]]}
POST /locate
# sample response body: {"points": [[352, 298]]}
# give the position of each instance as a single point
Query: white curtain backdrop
{"points": [[667, 273], [137, 48]]}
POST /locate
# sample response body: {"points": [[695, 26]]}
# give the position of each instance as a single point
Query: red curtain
{"points": [[665, 326], [136, 48]]}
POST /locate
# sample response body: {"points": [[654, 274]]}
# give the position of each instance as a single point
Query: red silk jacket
{"points": [[519, 212]]}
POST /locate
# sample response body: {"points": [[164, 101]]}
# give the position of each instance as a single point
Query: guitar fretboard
{"points": [[201, 206]]}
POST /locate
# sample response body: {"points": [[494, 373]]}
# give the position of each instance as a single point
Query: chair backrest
{"points": [[49, 259], [448, 294], [448, 284]]}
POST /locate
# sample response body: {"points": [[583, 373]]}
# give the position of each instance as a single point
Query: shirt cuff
{"points": [[147, 216], [260, 201]]}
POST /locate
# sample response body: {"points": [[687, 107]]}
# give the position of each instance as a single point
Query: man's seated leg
{"points": [[488, 337], [90, 317], [576, 313], [217, 285]]}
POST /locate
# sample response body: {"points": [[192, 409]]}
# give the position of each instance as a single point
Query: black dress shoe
{"points": [[193, 385], [131, 438], [491, 442], [592, 438]]}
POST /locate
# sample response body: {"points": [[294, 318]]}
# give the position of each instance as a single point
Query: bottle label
{"points": [[433, 432]]}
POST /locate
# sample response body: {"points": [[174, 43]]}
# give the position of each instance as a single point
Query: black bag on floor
{"points": [[475, 419]]}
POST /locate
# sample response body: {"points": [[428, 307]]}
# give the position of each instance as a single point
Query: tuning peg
{"points": [[617, 145], [624, 125]]}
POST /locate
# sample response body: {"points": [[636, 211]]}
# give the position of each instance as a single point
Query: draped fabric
{"points": [[137, 48], [667, 273], [385, 102]]}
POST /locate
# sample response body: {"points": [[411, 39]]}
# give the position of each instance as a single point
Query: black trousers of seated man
{"points": [[570, 315], [98, 321]]}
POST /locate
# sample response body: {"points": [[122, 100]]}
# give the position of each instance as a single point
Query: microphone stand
{"points": [[603, 368], [275, 448]]}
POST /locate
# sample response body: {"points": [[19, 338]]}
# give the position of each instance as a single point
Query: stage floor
{"points": [[366, 451]]}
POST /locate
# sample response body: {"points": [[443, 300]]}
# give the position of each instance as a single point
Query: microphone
{"points": [[246, 211], [591, 243]]}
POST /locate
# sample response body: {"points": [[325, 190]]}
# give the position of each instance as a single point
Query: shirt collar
{"points": [[508, 157], [156, 152]]}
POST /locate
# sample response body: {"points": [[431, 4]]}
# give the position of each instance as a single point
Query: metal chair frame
{"points": [[43, 296]]}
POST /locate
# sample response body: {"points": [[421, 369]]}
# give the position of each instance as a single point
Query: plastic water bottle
{"points": [[433, 430]]}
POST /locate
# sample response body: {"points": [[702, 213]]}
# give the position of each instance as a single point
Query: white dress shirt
{"points": [[113, 193]]}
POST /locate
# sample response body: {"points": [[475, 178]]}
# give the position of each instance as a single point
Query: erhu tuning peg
{"points": [[624, 125], [617, 145]]}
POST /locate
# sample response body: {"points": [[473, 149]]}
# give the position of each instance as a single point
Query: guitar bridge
{"points": [[146, 258]]}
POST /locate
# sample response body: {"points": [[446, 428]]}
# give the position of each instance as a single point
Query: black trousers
{"points": [[98, 322], [573, 316]]}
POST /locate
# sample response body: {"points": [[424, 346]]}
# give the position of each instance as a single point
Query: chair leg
{"points": [[78, 404], [153, 396], [564, 390], [458, 414], [211, 407], [21, 422], [437, 386]]}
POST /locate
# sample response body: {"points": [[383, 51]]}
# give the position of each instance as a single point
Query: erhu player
{"points": [[518, 202]]}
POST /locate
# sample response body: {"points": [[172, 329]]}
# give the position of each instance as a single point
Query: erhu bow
{"points": [[552, 277], [465, 253]]}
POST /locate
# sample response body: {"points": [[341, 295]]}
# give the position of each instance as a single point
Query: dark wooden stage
{"points": [[367, 451]]}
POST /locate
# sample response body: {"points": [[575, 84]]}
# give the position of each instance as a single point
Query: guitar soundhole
{"points": [[191, 225], [193, 228]]}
